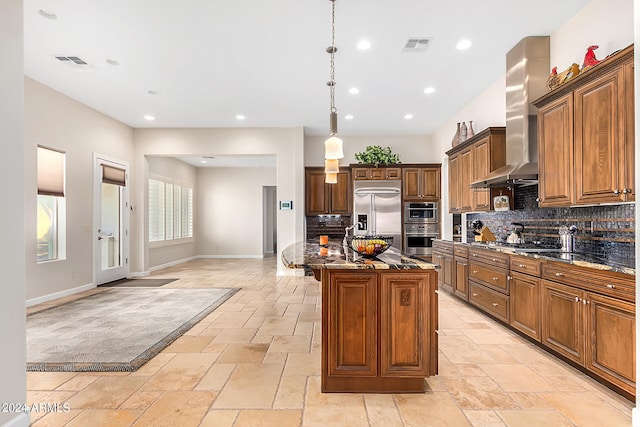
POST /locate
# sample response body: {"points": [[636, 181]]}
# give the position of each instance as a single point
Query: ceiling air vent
{"points": [[416, 44], [73, 61]]}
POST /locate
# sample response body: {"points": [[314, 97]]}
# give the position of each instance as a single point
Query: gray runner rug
{"points": [[118, 329]]}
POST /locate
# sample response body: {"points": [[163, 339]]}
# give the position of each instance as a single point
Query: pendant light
{"points": [[333, 144]]}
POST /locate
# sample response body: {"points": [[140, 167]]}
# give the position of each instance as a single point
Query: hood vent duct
{"points": [[527, 73]]}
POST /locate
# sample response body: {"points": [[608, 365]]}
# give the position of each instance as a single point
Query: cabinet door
{"points": [[599, 134], [524, 298], [430, 180], [393, 173], [352, 324], [555, 152], [361, 173], [611, 344], [411, 183], [454, 185], [316, 193], [461, 267], [341, 195], [448, 273], [438, 260], [562, 320], [378, 173], [481, 168], [404, 324], [628, 176], [465, 174]]}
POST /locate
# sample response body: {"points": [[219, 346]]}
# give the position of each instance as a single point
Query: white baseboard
{"points": [[138, 274], [20, 420], [66, 292], [230, 256], [171, 264], [635, 417]]}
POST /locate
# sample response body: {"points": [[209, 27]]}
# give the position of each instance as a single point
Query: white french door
{"points": [[111, 220]]}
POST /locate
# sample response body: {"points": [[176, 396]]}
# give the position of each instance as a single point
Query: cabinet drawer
{"points": [[615, 285], [460, 250], [361, 173], [526, 265], [490, 301], [442, 246], [489, 256], [393, 173], [489, 276]]}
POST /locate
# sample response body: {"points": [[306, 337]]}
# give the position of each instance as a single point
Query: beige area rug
{"points": [[118, 329]]}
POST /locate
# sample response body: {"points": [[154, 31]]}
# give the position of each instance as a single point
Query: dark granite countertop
{"points": [[622, 265], [310, 254]]}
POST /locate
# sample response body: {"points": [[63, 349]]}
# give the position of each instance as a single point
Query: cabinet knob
{"points": [[474, 254], [625, 191], [509, 277], [474, 271], [577, 299], [475, 295], [616, 191], [495, 304], [538, 199], [559, 274], [585, 302], [522, 266], [494, 259], [495, 279], [611, 286]]}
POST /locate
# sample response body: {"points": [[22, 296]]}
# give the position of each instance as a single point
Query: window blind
{"points": [[50, 172], [112, 175]]}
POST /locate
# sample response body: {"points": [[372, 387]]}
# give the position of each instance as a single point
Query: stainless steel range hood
{"points": [[526, 77]]}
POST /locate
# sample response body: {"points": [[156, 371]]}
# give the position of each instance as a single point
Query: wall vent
{"points": [[416, 44], [73, 61]]}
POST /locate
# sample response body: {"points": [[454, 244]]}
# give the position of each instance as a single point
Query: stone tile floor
{"points": [[255, 361]]}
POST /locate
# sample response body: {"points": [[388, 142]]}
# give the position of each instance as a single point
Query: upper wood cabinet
{"points": [[586, 136], [322, 198], [471, 161], [421, 184], [372, 173]]}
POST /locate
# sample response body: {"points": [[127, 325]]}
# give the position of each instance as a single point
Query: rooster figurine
{"points": [[590, 58], [556, 79], [552, 81]]}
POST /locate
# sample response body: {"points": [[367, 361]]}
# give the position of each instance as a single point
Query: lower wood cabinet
{"points": [[461, 271], [524, 301], [595, 331], [378, 330]]}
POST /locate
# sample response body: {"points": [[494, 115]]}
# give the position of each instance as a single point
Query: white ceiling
{"points": [[209, 60], [231, 161]]}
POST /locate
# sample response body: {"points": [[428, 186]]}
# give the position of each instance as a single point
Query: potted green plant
{"points": [[377, 155]]}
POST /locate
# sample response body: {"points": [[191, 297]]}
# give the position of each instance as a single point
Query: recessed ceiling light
{"points": [[408, 116], [47, 14], [463, 44], [348, 117], [364, 45], [240, 117], [354, 90], [203, 161], [429, 90], [149, 117], [152, 92], [111, 61]]}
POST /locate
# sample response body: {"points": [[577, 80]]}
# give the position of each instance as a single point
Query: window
{"points": [[50, 221], [170, 211]]}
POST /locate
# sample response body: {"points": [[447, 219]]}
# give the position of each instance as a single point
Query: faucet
{"points": [[346, 232]]}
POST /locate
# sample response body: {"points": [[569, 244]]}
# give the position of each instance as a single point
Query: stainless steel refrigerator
{"points": [[377, 209]]}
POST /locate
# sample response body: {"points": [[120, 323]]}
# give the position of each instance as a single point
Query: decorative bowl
{"points": [[370, 246]]}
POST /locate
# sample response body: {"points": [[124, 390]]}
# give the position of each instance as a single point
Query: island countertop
{"points": [[310, 254]]}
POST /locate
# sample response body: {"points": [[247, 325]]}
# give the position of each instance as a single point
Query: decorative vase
{"points": [[463, 132], [456, 138], [470, 131]]}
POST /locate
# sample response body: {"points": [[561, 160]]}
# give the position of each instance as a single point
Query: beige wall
{"points": [[411, 148], [12, 310], [167, 253], [287, 144], [229, 211], [58, 121]]}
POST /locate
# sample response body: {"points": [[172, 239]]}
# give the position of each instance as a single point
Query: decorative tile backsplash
{"points": [[607, 231], [327, 225]]}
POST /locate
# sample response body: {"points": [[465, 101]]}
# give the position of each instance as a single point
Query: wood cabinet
{"points": [[443, 257], [379, 330], [586, 136], [461, 271], [524, 295], [373, 173], [421, 184], [322, 198], [471, 161], [594, 329]]}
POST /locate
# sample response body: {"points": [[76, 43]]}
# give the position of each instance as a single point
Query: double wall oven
{"points": [[421, 227]]}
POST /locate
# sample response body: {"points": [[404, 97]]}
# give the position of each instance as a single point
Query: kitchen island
{"points": [[379, 317]]}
